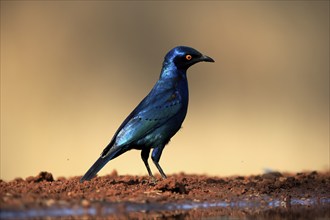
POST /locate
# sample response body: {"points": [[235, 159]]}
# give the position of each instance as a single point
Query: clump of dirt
{"points": [[173, 185], [43, 176], [44, 191]]}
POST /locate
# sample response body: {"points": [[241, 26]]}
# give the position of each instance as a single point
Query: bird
{"points": [[158, 117]]}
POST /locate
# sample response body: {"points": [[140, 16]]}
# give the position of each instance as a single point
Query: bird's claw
{"points": [[153, 180]]}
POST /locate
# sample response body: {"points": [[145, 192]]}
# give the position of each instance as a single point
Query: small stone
{"points": [[114, 173], [50, 202], [85, 203], [29, 179], [282, 179], [61, 179], [271, 175], [19, 179], [45, 176]]}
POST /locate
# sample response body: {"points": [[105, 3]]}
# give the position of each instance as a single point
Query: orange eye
{"points": [[188, 57]]}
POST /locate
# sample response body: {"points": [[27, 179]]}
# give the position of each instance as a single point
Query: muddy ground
{"points": [[43, 192]]}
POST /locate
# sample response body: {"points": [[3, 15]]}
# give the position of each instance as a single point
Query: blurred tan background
{"points": [[72, 71]]}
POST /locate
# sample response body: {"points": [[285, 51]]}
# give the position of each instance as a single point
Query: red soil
{"points": [[42, 191]]}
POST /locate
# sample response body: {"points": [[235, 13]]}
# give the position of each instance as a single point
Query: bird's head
{"points": [[183, 57]]}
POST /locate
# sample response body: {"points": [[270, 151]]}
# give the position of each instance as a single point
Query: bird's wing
{"points": [[150, 114]]}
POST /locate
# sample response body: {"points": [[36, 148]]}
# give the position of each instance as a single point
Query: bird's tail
{"points": [[99, 164], [95, 168]]}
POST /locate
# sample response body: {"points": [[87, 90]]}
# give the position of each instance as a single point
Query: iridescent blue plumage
{"points": [[158, 116]]}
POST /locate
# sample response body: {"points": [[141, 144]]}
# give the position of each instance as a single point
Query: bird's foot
{"points": [[153, 180]]}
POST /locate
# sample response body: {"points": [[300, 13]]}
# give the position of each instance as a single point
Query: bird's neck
{"points": [[171, 72], [174, 79]]}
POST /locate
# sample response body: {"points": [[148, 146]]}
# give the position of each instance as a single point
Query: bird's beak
{"points": [[206, 59]]}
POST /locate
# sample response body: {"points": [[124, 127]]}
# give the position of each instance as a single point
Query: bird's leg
{"points": [[145, 155], [156, 153]]}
